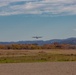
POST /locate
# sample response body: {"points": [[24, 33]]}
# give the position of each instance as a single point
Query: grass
{"points": [[40, 57]]}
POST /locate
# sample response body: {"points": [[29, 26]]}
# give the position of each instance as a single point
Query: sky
{"points": [[20, 20]]}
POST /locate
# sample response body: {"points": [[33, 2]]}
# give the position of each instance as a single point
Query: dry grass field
{"points": [[5, 53], [38, 62], [53, 55]]}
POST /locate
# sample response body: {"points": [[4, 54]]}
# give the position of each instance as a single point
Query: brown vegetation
{"points": [[35, 46]]}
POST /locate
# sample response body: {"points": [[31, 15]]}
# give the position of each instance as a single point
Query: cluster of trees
{"points": [[35, 46], [59, 46]]}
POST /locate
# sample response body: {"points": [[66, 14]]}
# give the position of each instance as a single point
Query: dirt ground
{"points": [[46, 68]]}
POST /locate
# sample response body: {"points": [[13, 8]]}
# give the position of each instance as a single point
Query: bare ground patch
{"points": [[47, 68]]}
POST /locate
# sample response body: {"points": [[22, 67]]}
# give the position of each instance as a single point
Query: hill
{"points": [[71, 41]]}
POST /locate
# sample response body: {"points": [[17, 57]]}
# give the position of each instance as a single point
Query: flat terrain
{"points": [[38, 62], [46, 68], [4, 53], [49, 55]]}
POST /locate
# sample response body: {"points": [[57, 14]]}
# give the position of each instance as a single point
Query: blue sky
{"points": [[23, 19]]}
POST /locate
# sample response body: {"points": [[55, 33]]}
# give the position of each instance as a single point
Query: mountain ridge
{"points": [[41, 42]]}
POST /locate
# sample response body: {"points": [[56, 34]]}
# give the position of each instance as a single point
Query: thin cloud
{"points": [[39, 7], [74, 29]]}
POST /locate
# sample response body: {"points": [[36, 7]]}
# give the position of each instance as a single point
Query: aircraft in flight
{"points": [[37, 37]]}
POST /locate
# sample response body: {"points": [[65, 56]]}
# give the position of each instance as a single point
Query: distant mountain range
{"points": [[41, 42]]}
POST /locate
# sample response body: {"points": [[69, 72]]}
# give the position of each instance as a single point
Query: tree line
{"points": [[36, 46]]}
